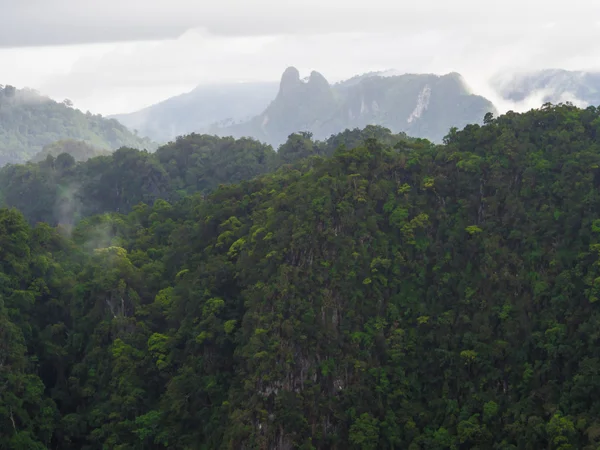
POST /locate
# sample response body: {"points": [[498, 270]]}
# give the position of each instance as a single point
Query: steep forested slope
{"points": [[29, 121], [408, 296]]}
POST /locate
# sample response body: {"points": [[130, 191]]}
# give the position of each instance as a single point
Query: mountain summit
{"points": [[420, 105], [299, 106]]}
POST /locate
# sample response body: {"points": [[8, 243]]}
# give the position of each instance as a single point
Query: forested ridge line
{"points": [[66, 182], [392, 295]]}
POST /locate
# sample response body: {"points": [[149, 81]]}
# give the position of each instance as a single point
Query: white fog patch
{"points": [[496, 89], [572, 98], [121, 77]]}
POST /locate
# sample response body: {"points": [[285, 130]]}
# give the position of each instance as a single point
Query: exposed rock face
{"points": [[420, 105], [299, 106], [290, 83]]}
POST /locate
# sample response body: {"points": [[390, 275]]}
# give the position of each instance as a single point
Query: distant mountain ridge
{"points": [[421, 105], [197, 110], [30, 121]]}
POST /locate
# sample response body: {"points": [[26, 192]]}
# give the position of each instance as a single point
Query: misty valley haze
{"points": [[118, 57], [421, 105]]}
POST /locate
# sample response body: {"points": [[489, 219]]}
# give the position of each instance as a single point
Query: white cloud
{"points": [[46, 22], [239, 40]]}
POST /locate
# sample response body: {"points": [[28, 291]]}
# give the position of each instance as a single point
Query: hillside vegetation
{"points": [[30, 121], [59, 190], [393, 295], [79, 150]]}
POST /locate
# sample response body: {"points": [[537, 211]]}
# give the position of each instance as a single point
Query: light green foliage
{"points": [[490, 410], [229, 326], [473, 229], [157, 346], [364, 433]]}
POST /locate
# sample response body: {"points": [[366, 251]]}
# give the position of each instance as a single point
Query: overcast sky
{"points": [[118, 56]]}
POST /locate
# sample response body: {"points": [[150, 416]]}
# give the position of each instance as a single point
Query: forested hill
{"points": [[59, 190], [30, 121], [403, 296]]}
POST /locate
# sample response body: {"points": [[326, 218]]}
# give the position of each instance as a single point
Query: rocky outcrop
{"points": [[420, 105]]}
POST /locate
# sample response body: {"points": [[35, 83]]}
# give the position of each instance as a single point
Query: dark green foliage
{"points": [[79, 150], [29, 122], [396, 295], [56, 190], [199, 163]]}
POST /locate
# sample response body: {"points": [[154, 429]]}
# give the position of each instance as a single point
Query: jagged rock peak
{"points": [[457, 81], [455, 76], [318, 80], [290, 77]]}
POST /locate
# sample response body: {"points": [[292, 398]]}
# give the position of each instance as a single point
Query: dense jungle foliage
{"points": [[393, 295], [56, 189], [79, 150]]}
